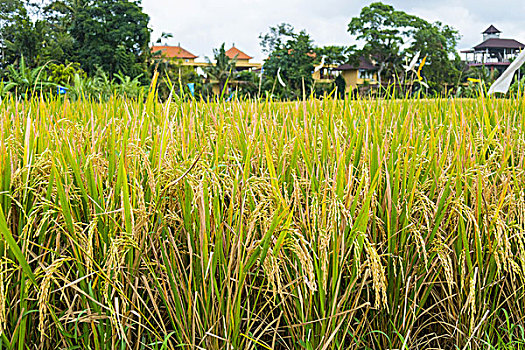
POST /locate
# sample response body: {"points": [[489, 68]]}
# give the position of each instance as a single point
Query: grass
{"points": [[260, 225]]}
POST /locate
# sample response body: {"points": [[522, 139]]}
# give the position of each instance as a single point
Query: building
{"points": [[358, 74], [494, 52], [354, 75], [186, 58], [243, 60], [175, 53], [326, 74]]}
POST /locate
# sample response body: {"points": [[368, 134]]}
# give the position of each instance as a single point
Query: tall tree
{"points": [[276, 37], [384, 30], [292, 54], [438, 43], [335, 54], [19, 35], [111, 34]]}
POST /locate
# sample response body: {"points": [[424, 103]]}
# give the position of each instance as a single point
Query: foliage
{"points": [[335, 55], [518, 87], [174, 76], [250, 225], [276, 38], [129, 87], [478, 79], [101, 88], [292, 53], [4, 89], [384, 30], [437, 42], [19, 35], [110, 34], [482, 73], [62, 74], [324, 90], [27, 81], [247, 84]]}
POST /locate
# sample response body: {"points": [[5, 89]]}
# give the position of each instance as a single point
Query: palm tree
{"points": [[224, 68]]}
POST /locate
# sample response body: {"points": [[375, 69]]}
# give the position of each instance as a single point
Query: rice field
{"points": [[330, 224]]}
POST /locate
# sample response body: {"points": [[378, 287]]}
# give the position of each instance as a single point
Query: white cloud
{"points": [[201, 25]]}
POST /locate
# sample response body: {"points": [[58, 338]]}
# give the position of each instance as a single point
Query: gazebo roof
{"points": [[491, 30], [497, 43]]}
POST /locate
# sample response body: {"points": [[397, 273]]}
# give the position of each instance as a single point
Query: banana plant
{"points": [[5, 87], [27, 81], [129, 87]]}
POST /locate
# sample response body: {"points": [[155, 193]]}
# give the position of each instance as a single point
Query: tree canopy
{"points": [[437, 42], [391, 35], [293, 55], [384, 30], [108, 34], [335, 54], [111, 34], [19, 35]]}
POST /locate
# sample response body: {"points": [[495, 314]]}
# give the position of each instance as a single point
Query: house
{"points": [[326, 74], [494, 52], [177, 53], [243, 60], [361, 73]]}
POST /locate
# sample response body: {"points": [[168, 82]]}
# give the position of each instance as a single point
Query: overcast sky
{"points": [[201, 25]]}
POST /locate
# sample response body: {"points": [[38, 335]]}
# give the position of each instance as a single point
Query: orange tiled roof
{"points": [[173, 51], [240, 55]]}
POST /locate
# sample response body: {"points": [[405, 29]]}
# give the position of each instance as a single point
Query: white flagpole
{"points": [[502, 84]]}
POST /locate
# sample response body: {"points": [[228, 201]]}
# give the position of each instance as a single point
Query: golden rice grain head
{"points": [[377, 270], [299, 246], [444, 255], [273, 273], [43, 294]]}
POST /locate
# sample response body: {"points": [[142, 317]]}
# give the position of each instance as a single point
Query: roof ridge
{"points": [[491, 30], [173, 51], [235, 51]]}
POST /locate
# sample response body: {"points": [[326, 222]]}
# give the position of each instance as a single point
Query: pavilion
{"points": [[494, 52]]}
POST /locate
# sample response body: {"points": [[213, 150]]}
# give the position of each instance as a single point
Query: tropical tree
{"points": [[291, 56], [384, 31], [63, 74], [437, 42], [223, 69], [19, 35], [27, 81], [335, 54], [9, 10], [111, 34], [276, 37]]}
